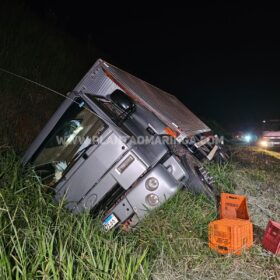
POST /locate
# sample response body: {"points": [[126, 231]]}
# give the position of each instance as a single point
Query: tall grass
{"points": [[40, 239], [221, 173]]}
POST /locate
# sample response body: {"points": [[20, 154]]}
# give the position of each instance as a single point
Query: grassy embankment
{"points": [[39, 239]]}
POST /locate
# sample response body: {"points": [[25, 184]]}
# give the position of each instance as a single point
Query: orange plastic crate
{"points": [[233, 206], [230, 235]]}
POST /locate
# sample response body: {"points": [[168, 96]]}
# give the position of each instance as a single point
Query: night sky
{"points": [[222, 61]]}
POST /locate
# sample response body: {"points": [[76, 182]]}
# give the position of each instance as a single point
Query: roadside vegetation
{"points": [[41, 240]]}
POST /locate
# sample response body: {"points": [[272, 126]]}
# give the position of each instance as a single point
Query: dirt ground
{"points": [[258, 177], [255, 173]]}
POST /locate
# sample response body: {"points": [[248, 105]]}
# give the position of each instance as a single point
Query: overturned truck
{"points": [[120, 147]]}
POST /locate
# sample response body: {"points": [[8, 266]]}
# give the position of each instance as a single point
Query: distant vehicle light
{"points": [[248, 138], [263, 143]]}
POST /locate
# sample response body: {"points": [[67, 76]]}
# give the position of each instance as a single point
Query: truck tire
{"points": [[222, 155], [199, 181]]}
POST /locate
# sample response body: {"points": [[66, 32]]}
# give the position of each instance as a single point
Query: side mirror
{"points": [[121, 100]]}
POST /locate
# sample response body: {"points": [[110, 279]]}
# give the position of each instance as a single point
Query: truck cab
{"points": [[119, 147]]}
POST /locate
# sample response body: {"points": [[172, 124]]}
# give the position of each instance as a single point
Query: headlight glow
{"points": [[248, 138], [151, 184], [263, 143]]}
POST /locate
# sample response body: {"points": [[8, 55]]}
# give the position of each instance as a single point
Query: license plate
{"points": [[110, 222]]}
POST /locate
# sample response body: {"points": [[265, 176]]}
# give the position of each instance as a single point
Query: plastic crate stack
{"points": [[233, 232]]}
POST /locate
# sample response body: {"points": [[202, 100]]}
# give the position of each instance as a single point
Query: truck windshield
{"points": [[72, 135]]}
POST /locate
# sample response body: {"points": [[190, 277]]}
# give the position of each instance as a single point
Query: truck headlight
{"points": [[151, 184], [152, 199], [264, 143]]}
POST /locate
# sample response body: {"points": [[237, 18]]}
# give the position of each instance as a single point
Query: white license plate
{"points": [[110, 222]]}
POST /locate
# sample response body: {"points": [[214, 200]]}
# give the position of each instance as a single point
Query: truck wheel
{"points": [[199, 181], [222, 155]]}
